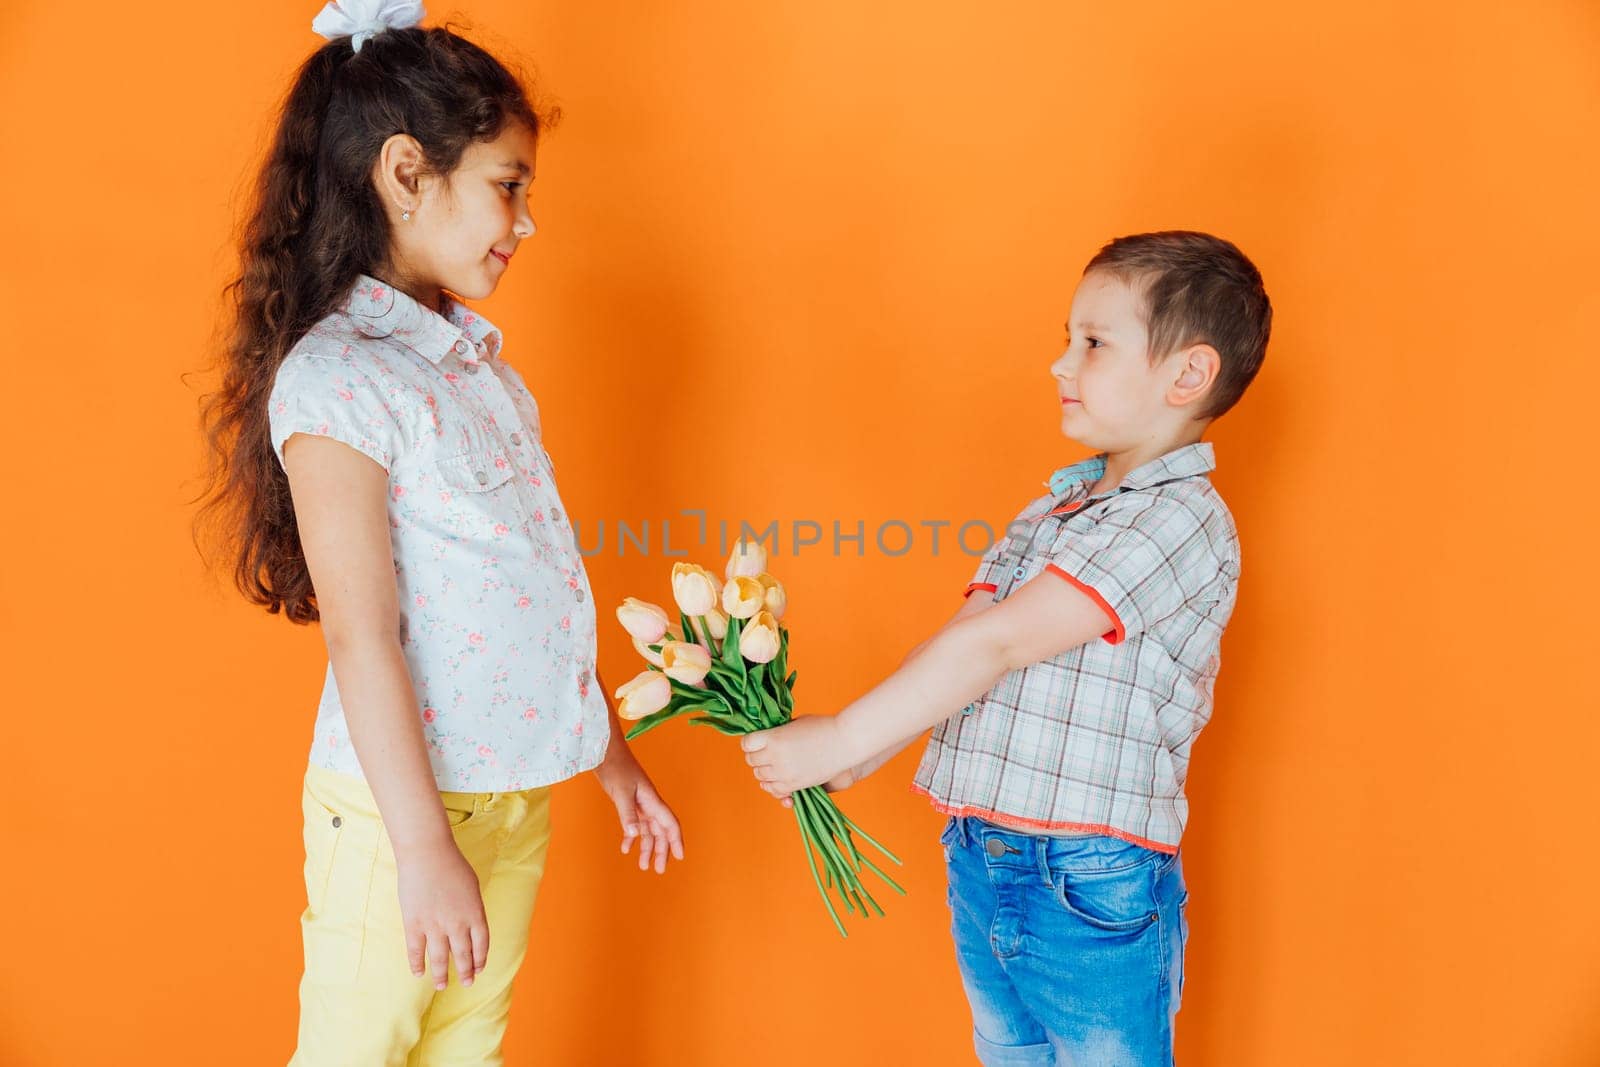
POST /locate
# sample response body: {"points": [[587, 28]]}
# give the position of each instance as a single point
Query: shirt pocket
{"points": [[480, 493]]}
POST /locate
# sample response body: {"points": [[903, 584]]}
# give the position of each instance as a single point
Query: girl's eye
{"points": [[510, 187]]}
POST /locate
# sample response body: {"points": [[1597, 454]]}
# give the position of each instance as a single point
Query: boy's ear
{"points": [[1197, 367]]}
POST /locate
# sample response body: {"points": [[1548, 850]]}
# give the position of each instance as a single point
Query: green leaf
{"points": [[695, 694], [718, 725], [730, 648], [774, 711], [650, 722]]}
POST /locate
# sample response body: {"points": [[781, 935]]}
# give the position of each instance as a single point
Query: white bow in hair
{"points": [[361, 19]]}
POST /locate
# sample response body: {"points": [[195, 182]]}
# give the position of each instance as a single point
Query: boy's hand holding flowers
{"points": [[727, 668], [812, 750]]}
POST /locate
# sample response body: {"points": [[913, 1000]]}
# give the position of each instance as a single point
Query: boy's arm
{"points": [[1042, 619], [977, 600]]}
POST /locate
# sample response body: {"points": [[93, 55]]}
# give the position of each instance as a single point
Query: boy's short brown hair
{"points": [[1197, 289]]}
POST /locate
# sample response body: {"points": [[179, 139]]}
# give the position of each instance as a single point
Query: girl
{"points": [[381, 467]]}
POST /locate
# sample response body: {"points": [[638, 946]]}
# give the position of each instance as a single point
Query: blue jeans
{"points": [[1070, 949]]}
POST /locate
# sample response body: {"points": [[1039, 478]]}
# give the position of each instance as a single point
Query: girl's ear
{"points": [[400, 164]]}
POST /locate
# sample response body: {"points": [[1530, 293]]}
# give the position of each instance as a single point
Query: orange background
{"points": [[867, 219]]}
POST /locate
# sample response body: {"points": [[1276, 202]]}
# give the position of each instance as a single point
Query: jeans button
{"points": [[995, 847]]}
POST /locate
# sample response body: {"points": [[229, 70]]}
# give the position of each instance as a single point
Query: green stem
{"points": [[836, 872], [805, 844], [868, 838], [848, 876], [845, 825]]}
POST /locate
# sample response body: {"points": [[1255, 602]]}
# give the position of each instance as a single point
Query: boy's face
{"points": [[469, 226], [1113, 398]]}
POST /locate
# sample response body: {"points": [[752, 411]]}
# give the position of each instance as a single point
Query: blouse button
{"points": [[580, 596], [461, 347], [516, 438], [337, 822], [472, 368], [483, 478], [555, 513]]}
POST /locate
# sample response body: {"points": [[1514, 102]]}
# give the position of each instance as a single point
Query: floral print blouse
{"points": [[497, 621]]}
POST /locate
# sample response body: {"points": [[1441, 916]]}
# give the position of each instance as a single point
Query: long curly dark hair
{"points": [[315, 224]]}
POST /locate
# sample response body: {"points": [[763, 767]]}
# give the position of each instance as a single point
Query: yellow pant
{"points": [[360, 1005]]}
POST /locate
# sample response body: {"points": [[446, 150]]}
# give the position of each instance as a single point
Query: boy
{"points": [[1067, 692]]}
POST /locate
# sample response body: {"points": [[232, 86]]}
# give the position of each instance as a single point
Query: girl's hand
{"points": [[442, 909], [640, 809]]}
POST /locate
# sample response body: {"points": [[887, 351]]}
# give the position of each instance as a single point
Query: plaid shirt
{"points": [[1097, 739]]}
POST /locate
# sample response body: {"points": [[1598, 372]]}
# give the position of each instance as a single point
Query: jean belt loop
{"points": [[1041, 848], [961, 830]]}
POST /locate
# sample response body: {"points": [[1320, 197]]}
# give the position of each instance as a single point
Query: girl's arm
{"points": [[340, 504], [645, 817]]}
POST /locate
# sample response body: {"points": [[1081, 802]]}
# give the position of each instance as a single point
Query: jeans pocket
{"points": [[1117, 901]]}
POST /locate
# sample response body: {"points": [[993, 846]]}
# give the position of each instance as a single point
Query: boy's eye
{"points": [[1094, 342]]}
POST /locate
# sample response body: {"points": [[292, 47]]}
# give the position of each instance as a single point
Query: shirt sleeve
{"points": [[331, 396], [1141, 561]]}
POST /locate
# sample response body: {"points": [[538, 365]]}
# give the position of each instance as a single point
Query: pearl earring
{"points": [[405, 216]]}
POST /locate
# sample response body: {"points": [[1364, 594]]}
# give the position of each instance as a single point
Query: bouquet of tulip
{"points": [[729, 663]]}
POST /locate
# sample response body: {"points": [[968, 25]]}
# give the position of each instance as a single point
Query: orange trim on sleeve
{"points": [[1039, 824], [1118, 632], [981, 585]]}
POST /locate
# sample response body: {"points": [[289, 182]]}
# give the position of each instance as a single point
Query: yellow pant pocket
{"points": [[342, 848]]}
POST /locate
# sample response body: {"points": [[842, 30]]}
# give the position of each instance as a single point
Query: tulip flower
{"points": [[645, 694], [776, 599], [743, 597], [759, 641], [646, 622], [716, 621], [748, 559], [712, 626], [653, 658], [684, 662], [693, 589]]}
